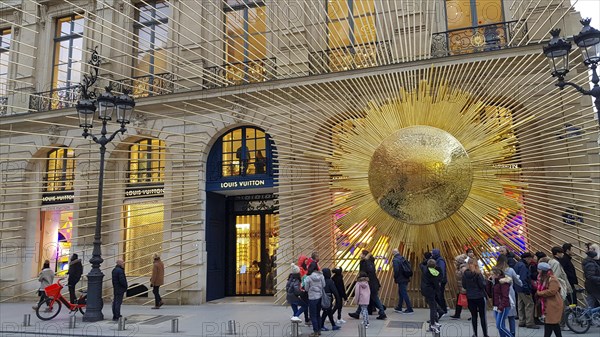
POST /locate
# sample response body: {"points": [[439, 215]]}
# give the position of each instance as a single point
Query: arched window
{"points": [[147, 162], [244, 152], [60, 170]]}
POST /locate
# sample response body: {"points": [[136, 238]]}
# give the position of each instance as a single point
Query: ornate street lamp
{"points": [[86, 108], [558, 49]]}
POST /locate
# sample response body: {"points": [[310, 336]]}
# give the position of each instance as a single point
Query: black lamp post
{"points": [[558, 49], [86, 108]]}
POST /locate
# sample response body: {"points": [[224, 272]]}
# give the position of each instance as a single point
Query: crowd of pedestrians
{"points": [[532, 289]]}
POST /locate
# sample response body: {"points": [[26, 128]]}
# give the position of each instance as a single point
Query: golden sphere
{"points": [[420, 175]]}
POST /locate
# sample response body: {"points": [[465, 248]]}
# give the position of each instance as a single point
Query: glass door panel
{"points": [[248, 254], [272, 243]]}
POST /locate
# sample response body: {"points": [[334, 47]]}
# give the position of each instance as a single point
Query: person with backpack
{"points": [[294, 291], [402, 274], [338, 279], [441, 295], [430, 286], [332, 293]]}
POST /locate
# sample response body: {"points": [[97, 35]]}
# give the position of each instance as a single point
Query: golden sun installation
{"points": [[427, 167]]}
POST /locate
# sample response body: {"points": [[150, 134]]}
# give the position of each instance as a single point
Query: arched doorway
{"points": [[242, 227]]}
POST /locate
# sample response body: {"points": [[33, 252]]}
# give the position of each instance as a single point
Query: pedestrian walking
{"points": [[338, 279], [551, 301], [460, 265], [499, 287], [367, 265], [430, 286], [46, 278], [591, 273], [314, 284], [524, 299], [441, 295], [362, 293], [474, 284], [75, 272], [567, 264], [119, 282], [402, 274], [294, 292], [157, 279], [330, 291]]}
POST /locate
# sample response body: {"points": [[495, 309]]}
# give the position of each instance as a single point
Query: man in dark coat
{"points": [[591, 273], [441, 264], [430, 286], [75, 272], [401, 267], [569, 269], [524, 300], [119, 282]]}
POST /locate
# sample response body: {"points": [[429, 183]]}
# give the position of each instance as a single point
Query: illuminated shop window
{"points": [[68, 54], [151, 34], [246, 48], [5, 37], [143, 236], [462, 15], [60, 170], [55, 240], [147, 162], [244, 152], [351, 33]]}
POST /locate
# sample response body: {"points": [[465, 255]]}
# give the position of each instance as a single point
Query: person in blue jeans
{"points": [[293, 294], [402, 275], [499, 287], [314, 284]]}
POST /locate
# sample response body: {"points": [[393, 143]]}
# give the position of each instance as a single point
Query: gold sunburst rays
{"points": [[487, 139]]}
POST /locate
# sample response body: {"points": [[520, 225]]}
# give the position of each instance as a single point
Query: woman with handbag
{"points": [[474, 283]]}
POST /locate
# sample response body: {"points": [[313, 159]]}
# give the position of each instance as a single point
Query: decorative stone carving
{"points": [[238, 112], [53, 134], [140, 122]]}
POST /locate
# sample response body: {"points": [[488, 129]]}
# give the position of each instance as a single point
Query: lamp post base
{"points": [[93, 312]]}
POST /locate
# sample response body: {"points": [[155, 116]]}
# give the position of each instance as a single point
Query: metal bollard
{"points": [[362, 330], [295, 329], [72, 321], [175, 325], [121, 323], [27, 320], [231, 327]]}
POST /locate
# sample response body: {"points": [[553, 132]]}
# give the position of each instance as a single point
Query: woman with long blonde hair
{"points": [[474, 282]]}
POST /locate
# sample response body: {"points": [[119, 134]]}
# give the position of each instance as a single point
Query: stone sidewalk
{"points": [[254, 317]]}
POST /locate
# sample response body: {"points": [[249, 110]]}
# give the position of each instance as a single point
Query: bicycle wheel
{"points": [[48, 310], [577, 321]]}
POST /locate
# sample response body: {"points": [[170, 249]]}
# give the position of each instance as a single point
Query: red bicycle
{"points": [[51, 306]]}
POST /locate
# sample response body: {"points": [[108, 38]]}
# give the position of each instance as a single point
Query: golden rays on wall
{"points": [[428, 166]]}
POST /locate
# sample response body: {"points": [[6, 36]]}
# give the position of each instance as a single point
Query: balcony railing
{"points": [[478, 39], [54, 99], [240, 73], [147, 85], [3, 106], [350, 57]]}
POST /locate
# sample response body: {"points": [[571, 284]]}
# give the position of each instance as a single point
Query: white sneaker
{"points": [[296, 319], [367, 326], [437, 324], [340, 321]]}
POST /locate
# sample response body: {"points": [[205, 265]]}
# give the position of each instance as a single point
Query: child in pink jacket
{"points": [[363, 294]]}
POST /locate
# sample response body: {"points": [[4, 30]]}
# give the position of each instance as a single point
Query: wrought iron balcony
{"points": [[350, 57], [478, 39], [3, 106], [54, 99], [147, 85], [240, 73]]}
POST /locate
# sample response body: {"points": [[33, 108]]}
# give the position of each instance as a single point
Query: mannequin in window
{"points": [[260, 162], [243, 155]]}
